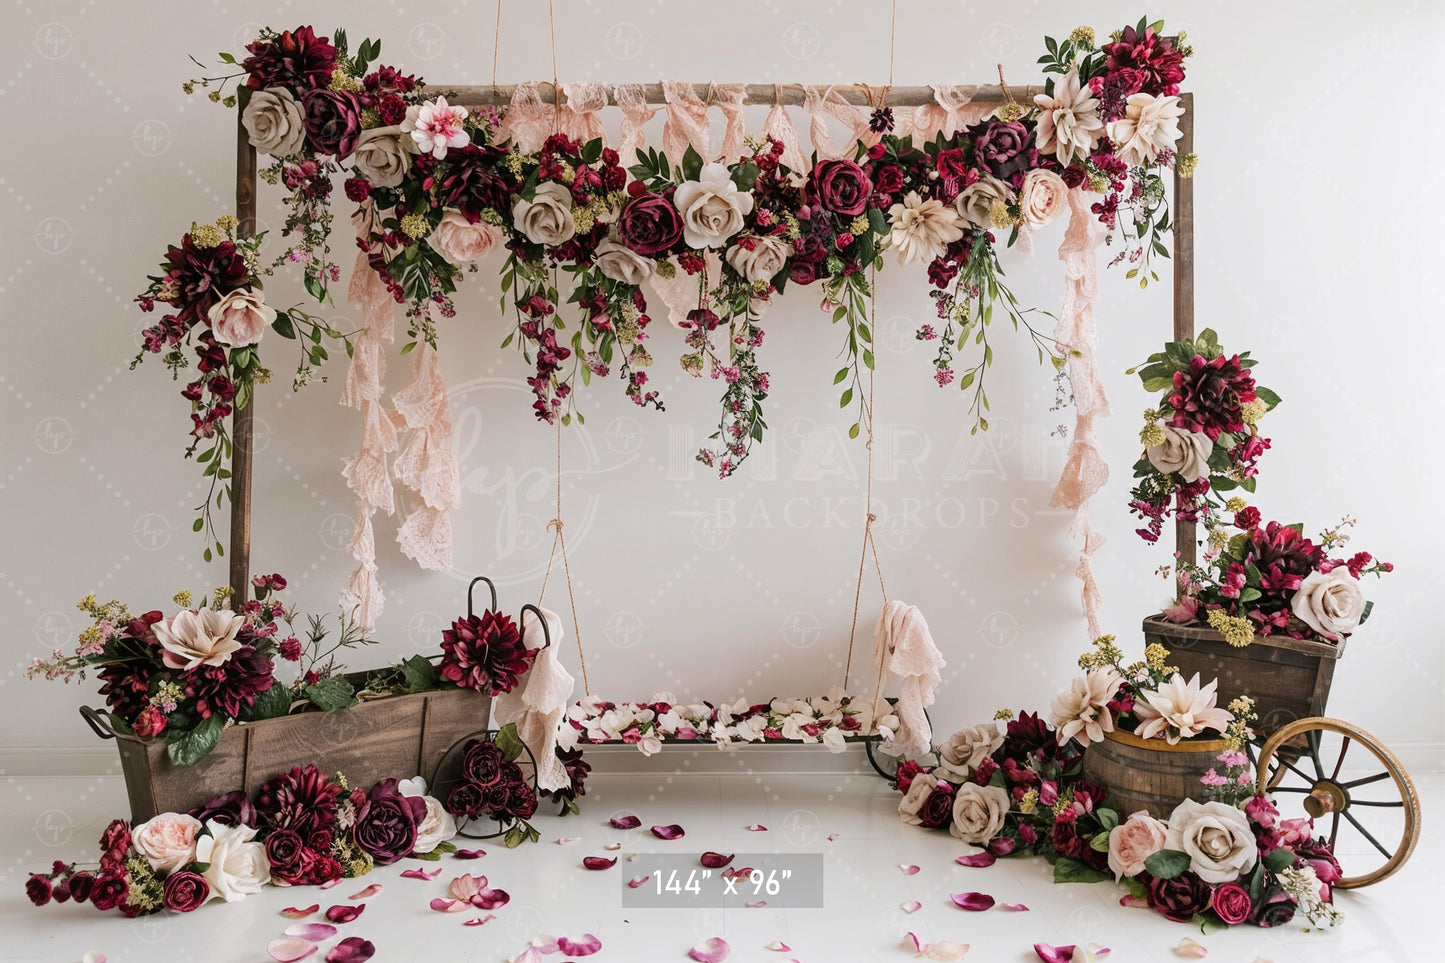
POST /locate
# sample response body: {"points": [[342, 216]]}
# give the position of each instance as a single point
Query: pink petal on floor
{"points": [[93, 957], [311, 932], [737, 872], [912, 906], [345, 914], [973, 902], [465, 886], [332, 882], [1015, 907], [419, 873], [468, 854], [353, 949], [778, 946], [625, 822], [1136, 902], [1071, 953], [1002, 845], [714, 949], [612, 847], [286, 950], [564, 840], [586, 946], [714, 860], [756, 904], [490, 899], [668, 832], [942, 950], [300, 913], [481, 920], [1191, 948], [637, 881], [908, 869], [450, 905], [757, 828], [367, 893], [977, 860], [598, 862]]}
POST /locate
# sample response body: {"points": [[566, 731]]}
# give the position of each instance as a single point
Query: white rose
{"points": [[978, 813], [1330, 603], [1217, 838], [237, 864], [382, 156], [240, 318], [273, 120], [1183, 452], [975, 200], [1043, 197], [167, 841], [460, 241], [919, 790], [962, 752], [712, 207], [762, 262], [620, 263], [547, 218], [437, 826]]}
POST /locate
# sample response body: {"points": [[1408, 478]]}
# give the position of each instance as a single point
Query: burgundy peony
{"points": [[649, 224], [81, 884], [302, 800], [386, 828], [1231, 903], [888, 179], [467, 799], [1209, 395], [184, 891], [482, 764], [521, 801], [1276, 907], [110, 889], [475, 181], [333, 121], [1002, 146], [840, 186], [285, 851], [1160, 65], [485, 652], [230, 688], [38, 888], [232, 809], [937, 809], [1180, 898]]}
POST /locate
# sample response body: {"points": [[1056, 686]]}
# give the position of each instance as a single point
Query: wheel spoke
{"points": [[1313, 738], [1397, 804], [1334, 830], [1295, 769], [1344, 748], [1365, 781], [1365, 833], [1298, 789]]}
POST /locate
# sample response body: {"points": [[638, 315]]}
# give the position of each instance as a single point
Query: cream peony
{"points": [[274, 120], [1185, 453], [1133, 841], [238, 866], [620, 263], [1179, 709], [922, 230], [978, 812], [547, 218], [240, 318], [167, 841], [962, 752], [918, 792], [1069, 122], [1217, 838], [193, 638], [1331, 603], [712, 207], [1043, 197], [759, 259], [437, 826], [1083, 708], [974, 201], [382, 156], [1151, 124], [460, 241]]}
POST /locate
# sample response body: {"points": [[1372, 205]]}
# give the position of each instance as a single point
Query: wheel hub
{"points": [[1326, 796]]}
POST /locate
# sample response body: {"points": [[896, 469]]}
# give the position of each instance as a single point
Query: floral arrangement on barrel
{"points": [[305, 827]]}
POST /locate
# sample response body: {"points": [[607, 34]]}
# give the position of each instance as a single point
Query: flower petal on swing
{"points": [[1189, 947], [973, 902], [714, 949], [673, 831], [714, 860], [598, 862], [912, 906], [978, 860], [908, 869], [586, 946], [625, 822]]}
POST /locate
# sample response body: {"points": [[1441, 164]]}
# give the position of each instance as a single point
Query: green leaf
{"points": [[189, 748], [331, 694], [1167, 863], [419, 673], [1067, 870], [431, 857], [1279, 860], [691, 164], [1100, 842], [1210, 924], [283, 326], [1108, 818], [508, 741], [275, 701], [513, 838], [745, 175], [592, 150], [853, 431], [841, 376], [1267, 396], [847, 397]]}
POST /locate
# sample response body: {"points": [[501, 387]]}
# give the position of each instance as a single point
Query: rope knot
{"points": [[872, 518], [555, 525]]}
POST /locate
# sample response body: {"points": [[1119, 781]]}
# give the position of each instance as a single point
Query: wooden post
{"points": [[1184, 532], [242, 419]]}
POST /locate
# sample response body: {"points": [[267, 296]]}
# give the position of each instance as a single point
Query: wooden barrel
{"points": [[1150, 774]]}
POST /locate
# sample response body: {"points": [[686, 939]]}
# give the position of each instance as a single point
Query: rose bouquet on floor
{"points": [[493, 785]]}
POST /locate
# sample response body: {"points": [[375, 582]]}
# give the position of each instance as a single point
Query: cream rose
{"points": [[918, 792], [192, 638], [437, 826], [240, 318], [237, 863], [547, 218], [382, 156], [1217, 838], [1043, 197], [167, 841], [1331, 603], [1183, 452], [712, 207], [460, 241], [978, 813], [1133, 841], [274, 120], [620, 263], [975, 200], [962, 752], [762, 261]]}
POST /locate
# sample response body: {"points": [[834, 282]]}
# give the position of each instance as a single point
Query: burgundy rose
{"points": [[230, 688], [184, 891], [231, 809], [1074, 176], [81, 884], [1231, 903], [482, 764], [323, 869], [1247, 518], [284, 851], [803, 272], [840, 186], [903, 777], [951, 164], [937, 809], [115, 842], [1180, 898], [298, 60], [1066, 838], [1276, 907], [521, 801], [387, 827], [649, 224], [485, 652], [38, 888], [110, 890], [303, 800], [333, 121], [1003, 146], [888, 179], [150, 723]]}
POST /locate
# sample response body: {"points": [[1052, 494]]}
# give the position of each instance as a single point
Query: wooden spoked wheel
{"points": [[1364, 804]]}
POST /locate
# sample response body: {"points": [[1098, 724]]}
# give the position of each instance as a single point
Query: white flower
{"points": [[1179, 709], [437, 826], [238, 866], [760, 259], [1217, 838], [1083, 709], [167, 841], [436, 126], [240, 318], [712, 207], [547, 218], [460, 241], [1150, 124], [273, 120], [922, 230], [1182, 452], [1069, 122], [975, 201], [963, 752], [620, 263], [1042, 198], [978, 813], [192, 638], [567, 736], [834, 739], [650, 744], [1331, 602], [381, 156]]}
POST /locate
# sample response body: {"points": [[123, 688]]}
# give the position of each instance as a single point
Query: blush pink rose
{"points": [[462, 242], [1133, 841], [1042, 198], [167, 841], [240, 318]]}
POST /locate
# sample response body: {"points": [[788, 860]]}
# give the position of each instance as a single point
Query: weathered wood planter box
{"points": [[401, 736], [1150, 774]]}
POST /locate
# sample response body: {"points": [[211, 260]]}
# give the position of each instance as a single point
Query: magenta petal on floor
{"points": [[311, 932], [468, 854], [977, 860], [450, 905], [908, 870], [625, 822], [490, 899], [598, 862], [714, 860], [714, 949], [353, 949], [367, 893], [668, 832], [345, 914], [287, 950], [637, 881], [973, 902], [757, 828], [300, 913], [1015, 907], [420, 873], [586, 946], [481, 920], [1054, 954]]}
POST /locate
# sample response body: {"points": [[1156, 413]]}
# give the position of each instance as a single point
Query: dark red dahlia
{"points": [[485, 652], [231, 809], [203, 276], [296, 59], [475, 181], [231, 687], [126, 687], [1155, 57], [1283, 556], [302, 800], [577, 770], [1026, 735], [1209, 395]]}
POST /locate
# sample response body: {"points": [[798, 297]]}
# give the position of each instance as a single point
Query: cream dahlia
{"points": [[1069, 121], [1179, 709], [1083, 708], [191, 638], [1150, 125], [922, 230]]}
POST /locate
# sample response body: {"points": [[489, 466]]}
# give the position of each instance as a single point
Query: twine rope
{"points": [[559, 540], [496, 43]]}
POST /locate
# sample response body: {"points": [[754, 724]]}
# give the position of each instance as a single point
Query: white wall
{"points": [[1319, 210]]}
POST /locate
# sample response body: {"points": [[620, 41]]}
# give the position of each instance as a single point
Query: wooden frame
{"points": [[242, 420]]}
